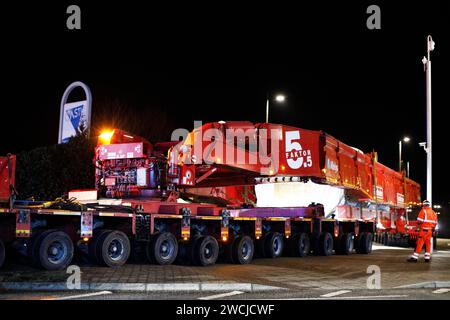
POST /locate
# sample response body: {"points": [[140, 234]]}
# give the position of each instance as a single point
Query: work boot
{"points": [[427, 260], [411, 259]]}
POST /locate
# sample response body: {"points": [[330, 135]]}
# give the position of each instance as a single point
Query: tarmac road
{"points": [[304, 294]]}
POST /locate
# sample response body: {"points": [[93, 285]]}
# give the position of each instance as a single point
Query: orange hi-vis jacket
{"points": [[427, 218]]}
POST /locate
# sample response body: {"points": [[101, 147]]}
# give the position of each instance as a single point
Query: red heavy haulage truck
{"points": [[228, 189]]}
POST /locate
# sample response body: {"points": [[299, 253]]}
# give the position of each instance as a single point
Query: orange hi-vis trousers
{"points": [[425, 237]]}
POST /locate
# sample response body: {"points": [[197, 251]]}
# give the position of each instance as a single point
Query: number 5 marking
{"points": [[291, 145]]}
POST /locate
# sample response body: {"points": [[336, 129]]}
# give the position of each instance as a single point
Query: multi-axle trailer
{"points": [[166, 203]]}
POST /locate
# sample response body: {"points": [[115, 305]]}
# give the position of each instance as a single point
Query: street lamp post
{"points": [[278, 98], [427, 64], [407, 169], [400, 162]]}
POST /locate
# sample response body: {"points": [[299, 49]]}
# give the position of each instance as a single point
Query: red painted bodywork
{"points": [[302, 153], [7, 176]]}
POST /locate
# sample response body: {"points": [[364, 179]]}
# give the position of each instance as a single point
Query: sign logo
{"points": [[74, 115], [332, 165], [296, 156]]}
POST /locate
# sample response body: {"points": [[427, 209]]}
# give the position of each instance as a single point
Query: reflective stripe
{"points": [[415, 254], [432, 221], [414, 257], [420, 219], [427, 253]]}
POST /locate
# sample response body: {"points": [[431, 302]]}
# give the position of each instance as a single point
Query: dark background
{"points": [[168, 65]]}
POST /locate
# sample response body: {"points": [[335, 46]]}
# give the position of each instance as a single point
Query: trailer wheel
{"points": [[113, 248], [345, 244], [411, 242], [94, 246], [162, 249], [326, 244], [260, 248], [364, 245], [228, 251], [33, 245], [53, 250], [2, 253], [273, 245], [206, 251], [300, 245], [243, 249]]}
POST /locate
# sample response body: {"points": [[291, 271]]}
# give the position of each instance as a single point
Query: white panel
{"points": [[298, 194], [141, 177]]}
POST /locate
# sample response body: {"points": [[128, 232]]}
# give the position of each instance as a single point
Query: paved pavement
{"points": [[300, 277]]}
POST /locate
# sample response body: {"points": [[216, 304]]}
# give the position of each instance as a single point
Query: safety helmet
{"points": [[426, 203]]}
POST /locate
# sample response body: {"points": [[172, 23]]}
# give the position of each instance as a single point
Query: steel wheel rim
{"points": [[208, 251], [166, 249], [276, 245], [246, 250], [56, 252], [115, 249]]}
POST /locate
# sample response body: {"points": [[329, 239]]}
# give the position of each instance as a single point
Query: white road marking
{"points": [[222, 295], [443, 290], [356, 298], [336, 293], [93, 294], [381, 247]]}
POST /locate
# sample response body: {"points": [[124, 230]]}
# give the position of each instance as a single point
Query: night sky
{"points": [[217, 62]]}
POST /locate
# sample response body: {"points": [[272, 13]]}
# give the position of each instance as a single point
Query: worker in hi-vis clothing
{"points": [[426, 221]]}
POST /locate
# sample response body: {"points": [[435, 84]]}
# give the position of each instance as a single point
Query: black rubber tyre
{"points": [[300, 245], [314, 241], [2, 253], [162, 249], [113, 248], [243, 250], [345, 244], [273, 245], [53, 250], [411, 243], [259, 246], [386, 239], [33, 246], [364, 245], [94, 245], [390, 240], [326, 244], [186, 254], [138, 252], [206, 251], [228, 251]]}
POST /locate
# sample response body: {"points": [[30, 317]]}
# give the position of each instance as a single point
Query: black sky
{"points": [[216, 62]]}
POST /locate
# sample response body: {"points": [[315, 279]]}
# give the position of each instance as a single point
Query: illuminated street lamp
{"points": [[280, 98], [405, 140]]}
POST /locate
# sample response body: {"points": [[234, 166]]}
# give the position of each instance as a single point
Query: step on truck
{"points": [[228, 191]]}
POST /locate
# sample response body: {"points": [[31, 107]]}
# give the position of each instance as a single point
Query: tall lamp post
{"points": [[400, 162], [280, 98], [427, 146]]}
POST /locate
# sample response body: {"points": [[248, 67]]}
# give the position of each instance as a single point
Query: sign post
{"points": [[74, 116]]}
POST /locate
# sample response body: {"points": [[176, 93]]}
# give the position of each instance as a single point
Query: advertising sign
{"points": [[74, 116]]}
